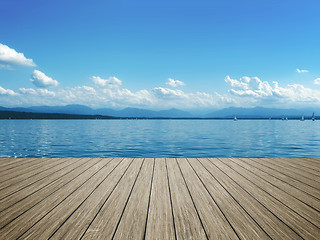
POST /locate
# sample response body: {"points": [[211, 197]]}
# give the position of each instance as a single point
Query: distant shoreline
{"points": [[14, 115]]}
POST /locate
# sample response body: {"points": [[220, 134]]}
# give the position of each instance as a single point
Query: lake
{"points": [[159, 138]]}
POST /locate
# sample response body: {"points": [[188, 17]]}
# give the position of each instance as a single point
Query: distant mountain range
{"points": [[257, 112], [84, 110], [260, 112]]}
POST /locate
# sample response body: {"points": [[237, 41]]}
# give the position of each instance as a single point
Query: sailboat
{"points": [[235, 118], [302, 118], [313, 118]]}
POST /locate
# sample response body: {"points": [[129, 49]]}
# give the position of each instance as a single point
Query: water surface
{"points": [[159, 138]]}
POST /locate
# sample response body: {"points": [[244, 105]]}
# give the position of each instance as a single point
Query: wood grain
{"points": [[187, 222], [240, 219], [286, 214], [105, 223], [268, 221], [160, 224], [125, 198], [290, 172]]}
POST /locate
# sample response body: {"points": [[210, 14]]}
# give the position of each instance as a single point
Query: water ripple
{"points": [[159, 138]]}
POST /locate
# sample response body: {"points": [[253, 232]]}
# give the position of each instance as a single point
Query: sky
{"points": [[160, 54]]}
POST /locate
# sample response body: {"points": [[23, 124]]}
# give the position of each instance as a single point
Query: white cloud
{"points": [[244, 92], [96, 96], [8, 92], [174, 83], [246, 85], [86, 95], [317, 81], [168, 93], [237, 84], [28, 91], [110, 82], [10, 57], [256, 92], [249, 87], [89, 89], [166, 97], [46, 92], [42, 81], [302, 71], [123, 97], [39, 91]]}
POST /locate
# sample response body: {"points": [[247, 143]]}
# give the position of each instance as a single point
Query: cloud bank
{"points": [[8, 92], [109, 92], [259, 92], [9, 57]]}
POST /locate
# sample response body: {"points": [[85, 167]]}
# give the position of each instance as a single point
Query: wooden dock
{"points": [[105, 198]]}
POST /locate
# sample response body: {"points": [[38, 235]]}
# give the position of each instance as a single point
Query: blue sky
{"points": [[121, 53]]}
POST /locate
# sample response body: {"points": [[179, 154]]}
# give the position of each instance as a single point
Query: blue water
{"points": [[159, 138]]}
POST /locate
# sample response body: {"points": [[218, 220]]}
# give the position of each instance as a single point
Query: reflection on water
{"points": [[159, 138]]}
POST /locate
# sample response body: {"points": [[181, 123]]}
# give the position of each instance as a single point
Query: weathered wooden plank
{"points": [[9, 171], [32, 194], [289, 180], [312, 162], [159, 198], [214, 221], [187, 221], [105, 223], [27, 180], [133, 221], [303, 164], [298, 224], [76, 221], [25, 173], [294, 165], [95, 192], [278, 183], [292, 172], [160, 223], [240, 219], [286, 172], [32, 216], [290, 201], [271, 224], [10, 200], [7, 162]]}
